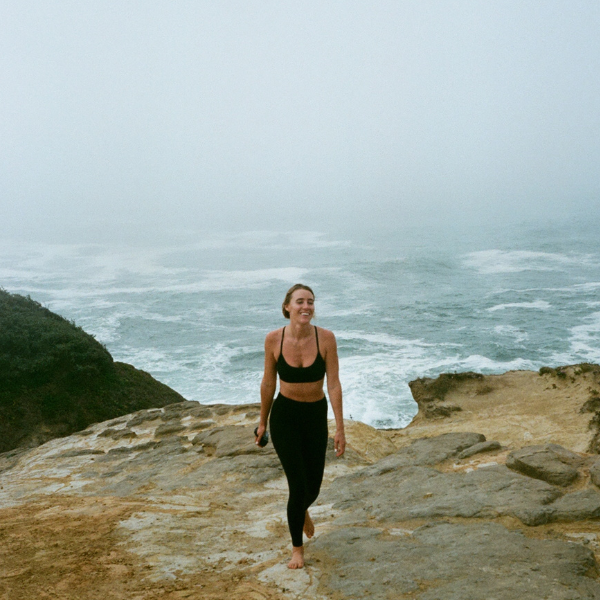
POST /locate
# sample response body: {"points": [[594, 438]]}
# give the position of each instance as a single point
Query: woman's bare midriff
{"points": [[302, 392]]}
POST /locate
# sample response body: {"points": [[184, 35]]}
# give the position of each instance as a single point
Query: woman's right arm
{"points": [[268, 384]]}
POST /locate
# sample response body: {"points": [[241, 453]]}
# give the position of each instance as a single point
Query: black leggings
{"points": [[299, 434]]}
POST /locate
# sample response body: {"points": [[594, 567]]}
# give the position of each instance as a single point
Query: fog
{"points": [[137, 118]]}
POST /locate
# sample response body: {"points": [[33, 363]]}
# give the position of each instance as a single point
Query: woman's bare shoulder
{"points": [[326, 335], [273, 336]]}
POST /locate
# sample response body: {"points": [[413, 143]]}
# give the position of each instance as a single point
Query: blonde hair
{"points": [[288, 297]]}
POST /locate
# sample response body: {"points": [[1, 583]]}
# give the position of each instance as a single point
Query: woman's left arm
{"points": [[334, 389]]}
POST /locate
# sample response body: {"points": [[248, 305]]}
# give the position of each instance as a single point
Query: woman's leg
{"points": [[314, 448], [287, 440]]}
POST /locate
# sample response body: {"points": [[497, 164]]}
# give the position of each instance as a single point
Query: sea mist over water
{"points": [[405, 304]]}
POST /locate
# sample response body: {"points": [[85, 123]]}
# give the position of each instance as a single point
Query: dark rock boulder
{"points": [[548, 462], [577, 506]]}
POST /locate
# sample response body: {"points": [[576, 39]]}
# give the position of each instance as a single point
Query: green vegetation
{"points": [[562, 372], [56, 379], [37, 345], [439, 387], [559, 372]]}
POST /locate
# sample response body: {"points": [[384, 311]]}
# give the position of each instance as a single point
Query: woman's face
{"points": [[301, 306]]}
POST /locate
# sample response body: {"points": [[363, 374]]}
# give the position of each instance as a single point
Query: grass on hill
{"points": [[56, 379]]}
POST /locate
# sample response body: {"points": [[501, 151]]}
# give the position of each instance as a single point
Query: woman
{"points": [[302, 354]]}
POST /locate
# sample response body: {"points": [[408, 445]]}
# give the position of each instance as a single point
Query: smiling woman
{"points": [[299, 413]]}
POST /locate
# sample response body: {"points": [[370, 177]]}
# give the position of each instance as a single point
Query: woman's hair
{"points": [[288, 297]]}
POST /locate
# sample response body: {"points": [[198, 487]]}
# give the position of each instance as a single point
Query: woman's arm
{"points": [[268, 385], [334, 389]]}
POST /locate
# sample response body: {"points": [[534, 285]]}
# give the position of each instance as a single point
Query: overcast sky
{"points": [[220, 114]]}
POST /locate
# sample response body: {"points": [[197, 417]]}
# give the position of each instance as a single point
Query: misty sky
{"points": [[142, 115]]}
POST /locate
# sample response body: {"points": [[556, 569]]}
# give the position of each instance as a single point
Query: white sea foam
{"points": [[199, 372], [489, 262], [381, 339], [589, 286], [482, 364], [517, 334], [584, 343], [536, 305]]}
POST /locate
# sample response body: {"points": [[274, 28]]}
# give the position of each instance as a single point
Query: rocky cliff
{"points": [[498, 499]]}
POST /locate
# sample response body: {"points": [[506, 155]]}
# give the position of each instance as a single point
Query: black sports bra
{"points": [[289, 374]]}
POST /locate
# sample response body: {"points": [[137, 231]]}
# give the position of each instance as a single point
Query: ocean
{"points": [[405, 303]]}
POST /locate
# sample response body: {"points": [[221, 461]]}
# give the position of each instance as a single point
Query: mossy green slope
{"points": [[56, 379]]}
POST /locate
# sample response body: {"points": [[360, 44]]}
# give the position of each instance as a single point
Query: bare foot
{"points": [[297, 561], [309, 526]]}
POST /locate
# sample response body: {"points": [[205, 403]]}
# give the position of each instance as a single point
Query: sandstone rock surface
{"points": [[178, 502], [517, 408]]}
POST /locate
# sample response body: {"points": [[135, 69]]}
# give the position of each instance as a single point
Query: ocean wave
{"points": [[483, 364], [589, 286], [517, 334], [584, 343], [490, 262], [382, 339], [536, 305]]}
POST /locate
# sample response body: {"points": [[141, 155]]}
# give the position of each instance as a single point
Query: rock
{"points": [[159, 512], [577, 506], [169, 428], [199, 426], [220, 409], [548, 462], [230, 440], [249, 468], [143, 416], [515, 408], [424, 493], [351, 457], [122, 450], [440, 412], [430, 394], [453, 562], [10, 459], [372, 444], [80, 452], [427, 451], [479, 448], [118, 434], [200, 411], [595, 472]]}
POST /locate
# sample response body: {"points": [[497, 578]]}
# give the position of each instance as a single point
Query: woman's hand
{"points": [[259, 433], [339, 443]]}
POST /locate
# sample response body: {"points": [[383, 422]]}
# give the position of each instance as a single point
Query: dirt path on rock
{"points": [[70, 548]]}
